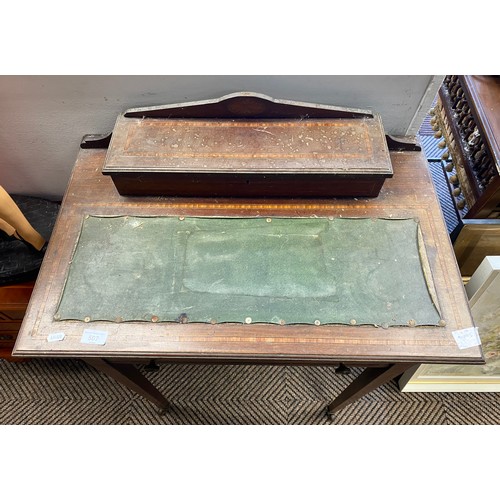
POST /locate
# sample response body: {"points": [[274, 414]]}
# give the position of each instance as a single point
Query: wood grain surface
{"points": [[248, 157], [409, 193], [337, 147]]}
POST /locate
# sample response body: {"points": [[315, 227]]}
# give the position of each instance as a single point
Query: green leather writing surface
{"points": [[258, 270]]}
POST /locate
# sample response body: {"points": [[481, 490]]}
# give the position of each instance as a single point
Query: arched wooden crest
{"points": [[247, 105], [248, 145]]}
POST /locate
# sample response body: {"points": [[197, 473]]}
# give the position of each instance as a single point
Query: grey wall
{"points": [[43, 118]]}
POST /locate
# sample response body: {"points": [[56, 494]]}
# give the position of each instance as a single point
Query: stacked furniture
{"points": [[467, 119]]}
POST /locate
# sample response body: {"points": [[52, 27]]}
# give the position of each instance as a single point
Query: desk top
{"points": [[409, 194]]}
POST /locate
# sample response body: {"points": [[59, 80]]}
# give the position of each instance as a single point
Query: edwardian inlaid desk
{"points": [[385, 351]]}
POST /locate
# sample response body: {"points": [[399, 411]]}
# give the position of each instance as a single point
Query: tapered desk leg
{"points": [[367, 381], [130, 377]]}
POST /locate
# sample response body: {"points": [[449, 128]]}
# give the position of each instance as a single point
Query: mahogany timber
{"points": [[14, 300], [248, 146], [410, 193], [385, 352]]}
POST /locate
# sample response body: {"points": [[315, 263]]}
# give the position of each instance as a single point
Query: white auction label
{"points": [[55, 337], [96, 337], [468, 337]]}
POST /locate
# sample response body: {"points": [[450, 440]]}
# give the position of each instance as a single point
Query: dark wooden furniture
{"points": [[467, 117], [14, 300], [386, 352], [248, 145]]}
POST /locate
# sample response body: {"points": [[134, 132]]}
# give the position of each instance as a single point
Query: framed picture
{"points": [[483, 291], [473, 240]]}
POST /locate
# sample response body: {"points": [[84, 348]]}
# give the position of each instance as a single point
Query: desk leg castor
{"points": [[329, 415], [151, 366], [163, 411], [343, 369]]}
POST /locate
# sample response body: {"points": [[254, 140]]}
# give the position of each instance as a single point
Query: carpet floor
{"points": [[70, 392]]}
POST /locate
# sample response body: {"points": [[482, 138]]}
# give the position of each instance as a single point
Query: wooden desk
{"points": [[385, 352]]}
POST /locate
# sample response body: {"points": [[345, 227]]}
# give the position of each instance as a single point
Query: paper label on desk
{"points": [[96, 337], [55, 337], [469, 337]]}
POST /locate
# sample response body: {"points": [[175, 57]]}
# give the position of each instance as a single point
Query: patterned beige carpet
{"points": [[69, 392]]}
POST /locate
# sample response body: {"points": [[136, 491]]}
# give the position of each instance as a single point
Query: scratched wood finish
{"points": [[409, 193], [266, 147], [254, 157]]}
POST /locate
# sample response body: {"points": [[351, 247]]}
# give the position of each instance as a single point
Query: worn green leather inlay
{"points": [[288, 270]]}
